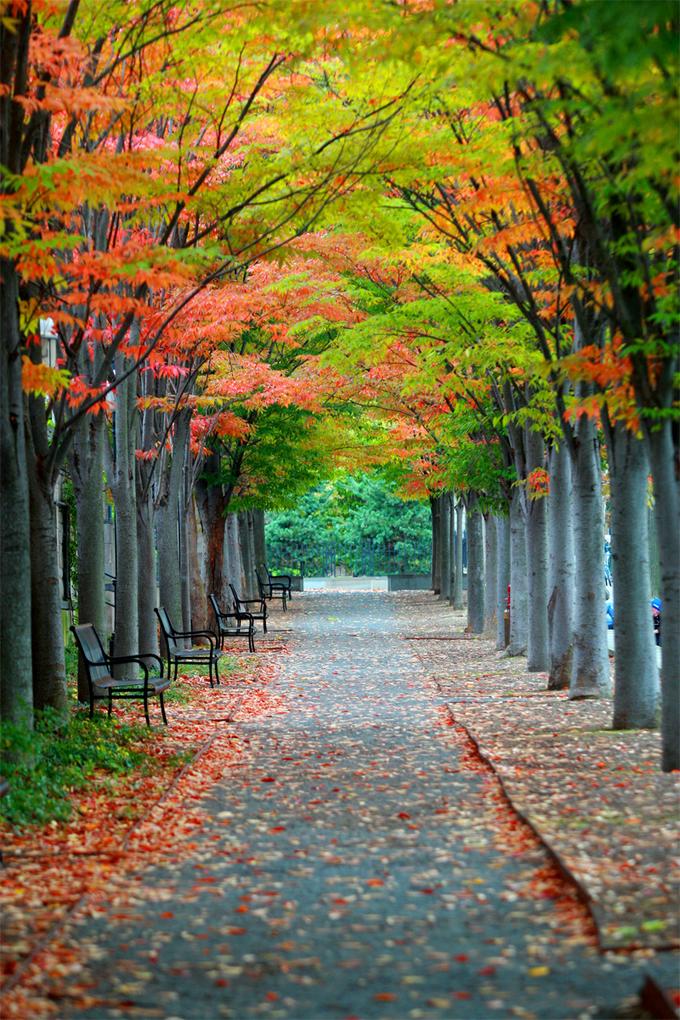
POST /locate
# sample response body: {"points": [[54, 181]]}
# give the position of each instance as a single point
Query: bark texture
{"points": [[475, 550], [147, 589], [519, 621], [16, 664], [87, 472], [491, 566], [435, 511], [502, 576], [666, 474], [590, 677], [445, 545], [458, 561], [538, 644], [123, 487], [636, 690], [171, 557], [561, 576]]}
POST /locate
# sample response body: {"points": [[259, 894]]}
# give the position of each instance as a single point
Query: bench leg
{"points": [[165, 718], [217, 673], [110, 702], [251, 640], [146, 709]]}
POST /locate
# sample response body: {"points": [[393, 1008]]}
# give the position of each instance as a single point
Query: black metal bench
{"points": [[233, 625], [283, 581], [102, 684], [269, 589], [243, 606], [197, 655]]}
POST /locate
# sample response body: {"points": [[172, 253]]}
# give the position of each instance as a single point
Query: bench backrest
{"points": [[262, 584], [172, 643], [235, 596], [92, 651], [216, 608]]}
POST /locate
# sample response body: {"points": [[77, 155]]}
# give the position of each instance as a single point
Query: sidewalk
{"points": [[596, 797], [342, 849]]}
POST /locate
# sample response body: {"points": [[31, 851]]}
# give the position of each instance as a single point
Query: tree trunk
{"points": [[491, 565], [654, 555], [666, 472], [201, 614], [247, 551], [445, 545], [16, 668], [234, 563], [538, 644], [49, 673], [458, 572], [475, 558], [259, 538], [452, 546], [435, 511], [502, 577], [590, 677], [561, 577], [187, 508], [636, 688], [519, 579], [87, 472], [169, 551], [147, 593], [123, 487]]}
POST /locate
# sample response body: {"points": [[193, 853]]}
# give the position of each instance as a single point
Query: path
{"points": [[359, 863]]}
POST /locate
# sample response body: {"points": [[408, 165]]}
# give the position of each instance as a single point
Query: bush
{"points": [[45, 764]]}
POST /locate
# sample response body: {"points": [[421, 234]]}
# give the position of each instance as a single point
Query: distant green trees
{"points": [[355, 524]]}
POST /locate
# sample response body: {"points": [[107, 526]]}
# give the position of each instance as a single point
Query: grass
{"points": [[45, 764]]}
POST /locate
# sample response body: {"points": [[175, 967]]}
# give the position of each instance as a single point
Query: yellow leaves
{"points": [[42, 380], [538, 971]]}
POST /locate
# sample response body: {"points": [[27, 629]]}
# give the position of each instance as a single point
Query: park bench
{"points": [[197, 655], [269, 589], [102, 684], [242, 606], [283, 581], [233, 625]]}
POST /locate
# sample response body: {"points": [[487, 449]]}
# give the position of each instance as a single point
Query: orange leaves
{"points": [[42, 379], [538, 483]]}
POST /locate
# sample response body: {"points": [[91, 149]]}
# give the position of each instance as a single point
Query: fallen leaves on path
{"points": [[115, 827], [596, 796]]}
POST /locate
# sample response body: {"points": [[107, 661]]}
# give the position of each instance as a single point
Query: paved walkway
{"points": [[359, 863]]}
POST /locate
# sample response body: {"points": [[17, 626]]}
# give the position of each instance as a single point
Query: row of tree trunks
{"points": [[561, 579], [557, 574], [16, 664], [502, 577]]}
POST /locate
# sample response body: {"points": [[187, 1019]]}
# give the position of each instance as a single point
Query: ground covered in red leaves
{"points": [[596, 797], [116, 829], [222, 803]]}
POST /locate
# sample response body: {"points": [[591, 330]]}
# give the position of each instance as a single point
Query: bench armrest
{"points": [[194, 633], [121, 660]]}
